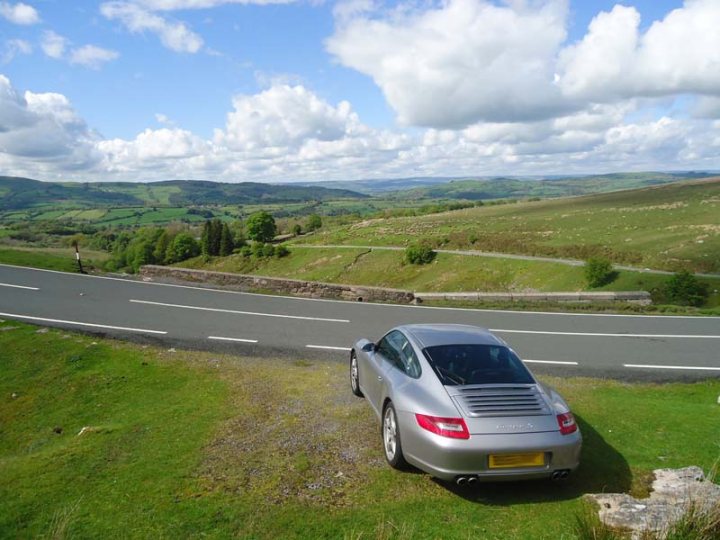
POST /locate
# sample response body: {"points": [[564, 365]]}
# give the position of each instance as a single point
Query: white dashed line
{"points": [[650, 366], [77, 323], [241, 340], [19, 286], [558, 362], [592, 334], [237, 312], [328, 347]]}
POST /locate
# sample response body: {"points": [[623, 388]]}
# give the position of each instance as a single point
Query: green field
{"points": [[447, 273], [668, 227], [181, 444]]}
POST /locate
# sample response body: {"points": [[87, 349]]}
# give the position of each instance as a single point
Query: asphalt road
{"points": [[620, 346]]}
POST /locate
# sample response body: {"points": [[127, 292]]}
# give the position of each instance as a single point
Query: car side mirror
{"points": [[369, 347]]}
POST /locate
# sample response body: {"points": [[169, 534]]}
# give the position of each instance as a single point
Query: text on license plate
{"points": [[501, 461]]}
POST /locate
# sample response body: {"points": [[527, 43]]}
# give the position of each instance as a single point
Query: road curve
{"points": [[629, 347]]}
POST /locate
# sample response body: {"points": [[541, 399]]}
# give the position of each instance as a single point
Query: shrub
{"points": [[684, 289], [297, 229], [281, 251], [246, 251], [314, 222], [268, 250], [419, 254], [182, 247], [598, 272]]}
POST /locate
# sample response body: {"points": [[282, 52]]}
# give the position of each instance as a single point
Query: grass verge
{"points": [[189, 444], [47, 258]]}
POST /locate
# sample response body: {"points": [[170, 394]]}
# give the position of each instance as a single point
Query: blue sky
{"points": [[255, 90]]}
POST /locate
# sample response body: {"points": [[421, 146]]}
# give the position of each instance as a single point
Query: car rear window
{"points": [[477, 364]]}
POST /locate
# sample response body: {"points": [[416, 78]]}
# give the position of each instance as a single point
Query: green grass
{"points": [[38, 259], [447, 273], [198, 444], [667, 227]]}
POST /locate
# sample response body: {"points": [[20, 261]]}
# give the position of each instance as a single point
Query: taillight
{"points": [[455, 428], [567, 424]]}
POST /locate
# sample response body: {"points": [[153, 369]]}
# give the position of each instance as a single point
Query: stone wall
{"points": [[311, 289], [635, 297]]}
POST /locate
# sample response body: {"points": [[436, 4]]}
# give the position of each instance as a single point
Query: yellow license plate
{"points": [[508, 461]]}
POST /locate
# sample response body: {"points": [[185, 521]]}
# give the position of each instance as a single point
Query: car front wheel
{"points": [[354, 376], [391, 439]]}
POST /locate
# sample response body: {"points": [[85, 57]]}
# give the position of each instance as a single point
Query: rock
{"points": [[673, 492], [42, 331], [171, 350], [14, 395]]}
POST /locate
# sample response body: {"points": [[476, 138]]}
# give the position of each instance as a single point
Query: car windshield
{"points": [[477, 364]]}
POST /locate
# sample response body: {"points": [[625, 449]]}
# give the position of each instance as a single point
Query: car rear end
{"points": [[501, 432]]}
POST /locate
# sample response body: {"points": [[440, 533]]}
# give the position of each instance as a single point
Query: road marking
{"points": [[397, 306], [558, 362], [650, 366], [241, 340], [328, 347], [677, 336], [19, 286], [77, 323], [237, 312]]}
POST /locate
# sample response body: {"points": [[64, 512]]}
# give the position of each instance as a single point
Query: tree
{"points": [[183, 247], [205, 239], [419, 254], [215, 236], [226, 241], [598, 272], [161, 247], [684, 289], [261, 227], [297, 229], [314, 222]]}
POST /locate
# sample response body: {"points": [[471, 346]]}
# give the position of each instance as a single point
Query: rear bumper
{"points": [[447, 458]]}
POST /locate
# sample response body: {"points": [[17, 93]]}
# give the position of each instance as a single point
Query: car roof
{"points": [[431, 335]]}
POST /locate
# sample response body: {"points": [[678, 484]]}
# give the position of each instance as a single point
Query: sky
{"points": [[302, 90]]}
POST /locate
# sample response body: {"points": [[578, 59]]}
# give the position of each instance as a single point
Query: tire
{"points": [[355, 375], [392, 445]]}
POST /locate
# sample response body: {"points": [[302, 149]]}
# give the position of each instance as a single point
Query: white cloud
{"points": [[19, 13], [285, 116], [678, 54], [41, 134], [465, 61], [53, 44], [92, 56], [170, 5], [174, 35], [14, 47]]}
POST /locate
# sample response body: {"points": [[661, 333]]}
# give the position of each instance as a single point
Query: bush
{"points": [[183, 247], [419, 254], [684, 289], [246, 251], [281, 251], [268, 250], [599, 272], [314, 222]]}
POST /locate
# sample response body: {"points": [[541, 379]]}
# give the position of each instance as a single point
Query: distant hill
{"points": [[476, 188], [22, 193], [513, 188]]}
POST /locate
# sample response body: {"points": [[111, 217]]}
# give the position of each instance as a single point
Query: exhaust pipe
{"points": [[558, 476], [461, 481], [472, 481]]}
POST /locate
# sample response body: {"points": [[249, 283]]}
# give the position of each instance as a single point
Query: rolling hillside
{"points": [[666, 227], [23, 193]]}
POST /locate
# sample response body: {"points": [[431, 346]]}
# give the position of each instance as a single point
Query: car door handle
{"points": [[379, 378]]}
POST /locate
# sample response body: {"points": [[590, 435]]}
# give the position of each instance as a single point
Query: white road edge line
{"points": [[558, 362], [77, 323], [241, 340], [328, 347], [19, 286], [591, 334], [219, 310], [650, 366], [400, 306]]}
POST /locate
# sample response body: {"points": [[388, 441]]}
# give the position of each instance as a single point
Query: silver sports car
{"points": [[458, 403]]}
